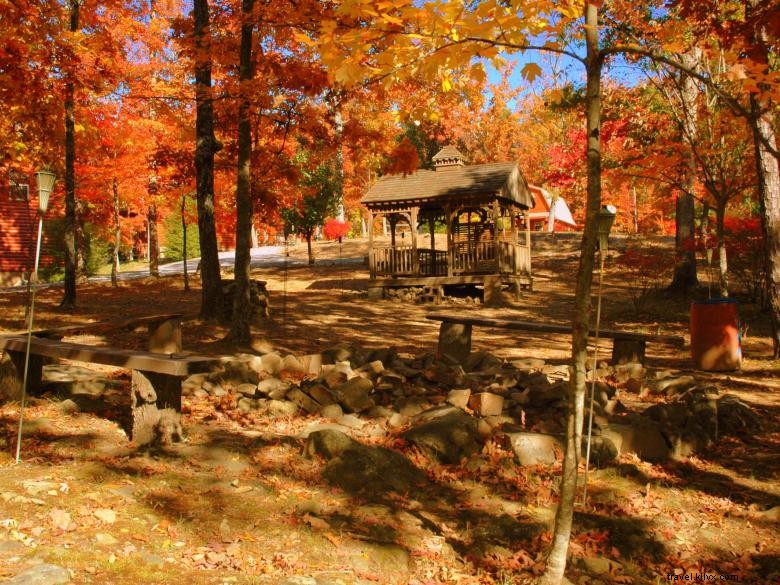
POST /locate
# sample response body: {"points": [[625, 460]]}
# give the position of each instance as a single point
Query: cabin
{"points": [[17, 230], [476, 221], [539, 215]]}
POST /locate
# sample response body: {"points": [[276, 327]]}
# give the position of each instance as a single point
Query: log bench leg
{"points": [[155, 408], [34, 371], [165, 336], [628, 350], [454, 342]]}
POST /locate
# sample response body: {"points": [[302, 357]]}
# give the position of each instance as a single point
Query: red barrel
{"points": [[715, 339]]}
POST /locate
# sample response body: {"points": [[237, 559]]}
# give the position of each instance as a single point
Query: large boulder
{"points": [[640, 436], [450, 438], [535, 448], [735, 417], [353, 394]]}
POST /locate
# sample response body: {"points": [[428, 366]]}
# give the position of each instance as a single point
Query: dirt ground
{"points": [[239, 503]]}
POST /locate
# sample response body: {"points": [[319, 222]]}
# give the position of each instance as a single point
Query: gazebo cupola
{"points": [[448, 157]]}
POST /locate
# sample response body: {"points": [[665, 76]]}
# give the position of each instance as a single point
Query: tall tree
{"points": [[69, 295], [240, 327], [206, 147]]}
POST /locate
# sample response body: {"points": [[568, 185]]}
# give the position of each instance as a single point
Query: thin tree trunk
{"points": [[723, 277], [184, 242], [117, 235], [69, 295], [308, 247], [207, 145], [556, 561], [240, 327], [154, 241], [685, 276], [768, 171]]}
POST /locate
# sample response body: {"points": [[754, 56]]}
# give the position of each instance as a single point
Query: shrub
{"points": [[335, 229], [647, 269], [745, 244], [174, 239]]}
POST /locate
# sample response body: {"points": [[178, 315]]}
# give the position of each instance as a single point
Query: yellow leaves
{"points": [[446, 83], [531, 71], [349, 74]]}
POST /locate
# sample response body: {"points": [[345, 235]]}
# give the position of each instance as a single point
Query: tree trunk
{"points": [[685, 276], [69, 294], [309, 236], [154, 241], [723, 266], [184, 243], [117, 235], [768, 171], [207, 146], [240, 327], [556, 561]]}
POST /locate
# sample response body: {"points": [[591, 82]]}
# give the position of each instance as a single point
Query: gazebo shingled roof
{"points": [[504, 180]]}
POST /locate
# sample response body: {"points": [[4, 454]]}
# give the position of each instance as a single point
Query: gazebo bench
{"points": [[455, 336], [156, 379]]}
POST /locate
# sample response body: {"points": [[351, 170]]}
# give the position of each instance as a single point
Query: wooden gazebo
{"points": [[483, 209]]}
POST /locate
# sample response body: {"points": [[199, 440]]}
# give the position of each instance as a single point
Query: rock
{"points": [[528, 364], [290, 363], [412, 406], [281, 408], [735, 417], [259, 301], [312, 363], [398, 420], [44, 574], [444, 374], [674, 385], [641, 437], [246, 405], [535, 448], [450, 437], [336, 354], [200, 393], [351, 421], [459, 397], [332, 412], [272, 363], [332, 377], [548, 394], [303, 400], [68, 406], [602, 450], [105, 515], [599, 565], [486, 404], [236, 372], [273, 388], [105, 539], [634, 385], [482, 361], [193, 383], [353, 394], [373, 368], [379, 412], [247, 389], [521, 398], [328, 444], [689, 425], [319, 393]]}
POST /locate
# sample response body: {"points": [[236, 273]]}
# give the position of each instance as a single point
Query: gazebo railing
{"points": [[467, 258]]}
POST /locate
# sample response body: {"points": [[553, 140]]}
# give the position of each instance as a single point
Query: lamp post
{"points": [[606, 219], [45, 179]]}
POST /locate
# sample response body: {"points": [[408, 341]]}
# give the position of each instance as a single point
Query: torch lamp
{"points": [[605, 220], [45, 179]]}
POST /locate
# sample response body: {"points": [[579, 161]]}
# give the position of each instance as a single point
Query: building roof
{"points": [[487, 181]]}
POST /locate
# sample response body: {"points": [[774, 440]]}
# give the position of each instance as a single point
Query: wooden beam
{"points": [[174, 365], [371, 257], [413, 223]]}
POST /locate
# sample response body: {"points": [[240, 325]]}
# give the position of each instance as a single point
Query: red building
{"points": [[539, 215]]}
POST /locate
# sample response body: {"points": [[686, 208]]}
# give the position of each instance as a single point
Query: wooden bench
{"points": [[455, 336], [156, 377]]}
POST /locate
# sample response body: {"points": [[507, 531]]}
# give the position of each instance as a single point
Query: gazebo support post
{"points": [[496, 242], [371, 254], [413, 221], [432, 229], [448, 219]]}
